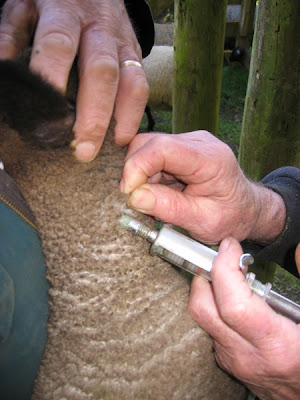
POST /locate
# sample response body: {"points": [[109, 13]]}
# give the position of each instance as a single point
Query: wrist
{"points": [[268, 214]]}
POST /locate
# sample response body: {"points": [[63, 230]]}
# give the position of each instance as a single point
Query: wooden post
{"points": [[198, 60], [246, 27], [271, 124]]}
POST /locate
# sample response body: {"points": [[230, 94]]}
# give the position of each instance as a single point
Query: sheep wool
{"points": [[118, 327], [158, 67]]}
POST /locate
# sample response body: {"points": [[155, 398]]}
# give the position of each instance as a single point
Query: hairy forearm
{"points": [[268, 215]]}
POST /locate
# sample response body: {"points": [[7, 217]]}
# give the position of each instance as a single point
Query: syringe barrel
{"points": [[180, 262], [192, 252], [197, 259], [284, 305]]}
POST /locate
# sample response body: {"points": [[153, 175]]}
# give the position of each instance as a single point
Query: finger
{"points": [[203, 309], [227, 343], [99, 77], [55, 43], [17, 24], [239, 308], [178, 208], [139, 141], [132, 97], [179, 155]]}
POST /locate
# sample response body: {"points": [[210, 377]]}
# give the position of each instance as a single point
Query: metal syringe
{"points": [[197, 259]]}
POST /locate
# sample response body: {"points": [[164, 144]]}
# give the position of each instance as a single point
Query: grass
{"points": [[287, 285], [163, 121], [234, 85]]}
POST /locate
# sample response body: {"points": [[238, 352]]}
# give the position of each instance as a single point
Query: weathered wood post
{"points": [[246, 23], [271, 124], [198, 60]]}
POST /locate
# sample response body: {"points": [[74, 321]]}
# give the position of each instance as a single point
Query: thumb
{"points": [[163, 202]]}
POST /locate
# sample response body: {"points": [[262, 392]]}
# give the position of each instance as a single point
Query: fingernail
{"points": [[225, 244], [142, 200], [85, 151], [73, 144]]}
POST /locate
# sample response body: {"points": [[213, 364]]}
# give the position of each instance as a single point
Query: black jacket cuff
{"points": [[286, 182]]}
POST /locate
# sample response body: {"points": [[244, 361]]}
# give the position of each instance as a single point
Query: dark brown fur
{"points": [[31, 106]]}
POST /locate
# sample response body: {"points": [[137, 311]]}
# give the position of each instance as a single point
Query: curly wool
{"points": [[118, 327]]}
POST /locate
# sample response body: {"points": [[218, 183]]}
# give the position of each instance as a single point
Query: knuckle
{"points": [[161, 141], [141, 89], [194, 310], [104, 69], [56, 42], [6, 35], [233, 313], [9, 47], [92, 129]]}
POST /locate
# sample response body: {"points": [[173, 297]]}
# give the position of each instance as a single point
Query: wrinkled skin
{"points": [[193, 180], [206, 191], [252, 342], [89, 29]]}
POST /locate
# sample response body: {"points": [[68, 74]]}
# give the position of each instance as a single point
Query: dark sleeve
{"points": [[286, 182], [142, 22]]}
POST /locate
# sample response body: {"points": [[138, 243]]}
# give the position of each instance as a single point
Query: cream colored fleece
{"points": [[119, 327]]}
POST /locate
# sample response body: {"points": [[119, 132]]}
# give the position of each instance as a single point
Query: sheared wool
{"points": [[119, 326]]}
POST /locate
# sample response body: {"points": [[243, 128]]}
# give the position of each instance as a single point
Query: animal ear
{"points": [[34, 108]]}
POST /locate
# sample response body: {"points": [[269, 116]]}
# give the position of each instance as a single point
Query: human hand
{"points": [[252, 342], [204, 190], [91, 29]]}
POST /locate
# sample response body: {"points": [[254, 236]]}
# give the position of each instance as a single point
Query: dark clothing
{"points": [[286, 182], [23, 294], [142, 22]]}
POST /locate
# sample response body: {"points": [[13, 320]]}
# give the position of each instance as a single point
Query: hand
{"points": [[90, 28], [204, 190], [252, 342]]}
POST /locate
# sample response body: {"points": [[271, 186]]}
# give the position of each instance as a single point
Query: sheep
{"points": [[118, 327], [158, 67]]}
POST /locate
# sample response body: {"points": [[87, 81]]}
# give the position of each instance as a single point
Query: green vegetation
{"points": [[163, 121], [234, 86], [287, 285]]}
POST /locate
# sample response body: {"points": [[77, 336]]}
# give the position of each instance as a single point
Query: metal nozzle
{"points": [[138, 229]]}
